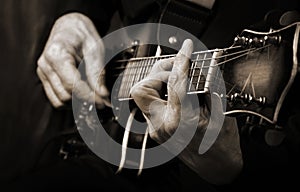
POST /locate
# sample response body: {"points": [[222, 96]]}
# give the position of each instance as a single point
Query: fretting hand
{"points": [[223, 161]]}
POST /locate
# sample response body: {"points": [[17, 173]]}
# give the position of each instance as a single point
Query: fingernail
{"points": [[187, 48]]}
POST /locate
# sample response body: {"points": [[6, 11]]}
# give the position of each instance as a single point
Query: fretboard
{"points": [[203, 72]]}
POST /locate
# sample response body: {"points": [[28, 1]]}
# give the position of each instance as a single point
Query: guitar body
{"points": [[257, 72]]}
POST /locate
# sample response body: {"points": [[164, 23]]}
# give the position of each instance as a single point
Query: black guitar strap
{"points": [[186, 15]]}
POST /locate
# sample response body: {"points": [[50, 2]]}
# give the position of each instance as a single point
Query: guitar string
{"points": [[202, 81], [204, 59], [199, 77], [233, 58], [195, 67], [194, 53], [192, 72]]}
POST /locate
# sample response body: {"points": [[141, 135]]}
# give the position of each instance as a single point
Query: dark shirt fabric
{"points": [[26, 116], [28, 121]]}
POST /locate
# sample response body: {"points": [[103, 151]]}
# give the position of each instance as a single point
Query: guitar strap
{"points": [[186, 15]]}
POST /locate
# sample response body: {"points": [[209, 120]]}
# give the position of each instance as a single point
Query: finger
{"points": [[101, 89], [178, 78], [162, 65], [93, 52], [64, 66], [152, 83], [146, 96], [146, 91], [100, 85], [83, 91], [63, 63], [55, 101], [54, 80]]}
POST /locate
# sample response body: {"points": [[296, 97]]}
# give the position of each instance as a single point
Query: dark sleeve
{"points": [[99, 11], [27, 118]]}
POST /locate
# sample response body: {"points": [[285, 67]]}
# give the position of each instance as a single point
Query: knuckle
{"points": [[55, 102], [77, 20], [67, 62], [41, 63], [43, 67], [67, 18], [68, 85], [139, 90], [135, 91], [64, 97], [54, 50], [38, 72]]}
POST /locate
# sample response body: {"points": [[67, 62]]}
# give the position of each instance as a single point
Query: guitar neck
{"points": [[202, 73]]}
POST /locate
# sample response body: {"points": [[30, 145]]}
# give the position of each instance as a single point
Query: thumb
{"points": [[94, 53], [177, 81]]}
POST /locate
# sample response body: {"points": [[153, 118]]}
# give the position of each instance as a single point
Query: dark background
{"points": [[27, 120]]}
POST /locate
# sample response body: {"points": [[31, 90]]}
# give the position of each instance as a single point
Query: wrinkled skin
{"points": [[223, 161], [73, 37]]}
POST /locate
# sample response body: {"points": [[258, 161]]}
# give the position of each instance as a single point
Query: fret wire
{"points": [[131, 78], [128, 77], [129, 73], [216, 78], [151, 63], [173, 55], [122, 86], [143, 69], [147, 65], [202, 64], [144, 64], [206, 59], [193, 72], [134, 76], [149, 68], [138, 73]]}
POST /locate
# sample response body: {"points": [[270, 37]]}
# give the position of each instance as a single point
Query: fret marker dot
{"points": [[172, 40]]}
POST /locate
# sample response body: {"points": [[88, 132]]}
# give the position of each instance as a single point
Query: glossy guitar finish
{"points": [[259, 81], [258, 70]]}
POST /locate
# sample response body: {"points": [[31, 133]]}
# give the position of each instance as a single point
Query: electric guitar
{"points": [[258, 71]]}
